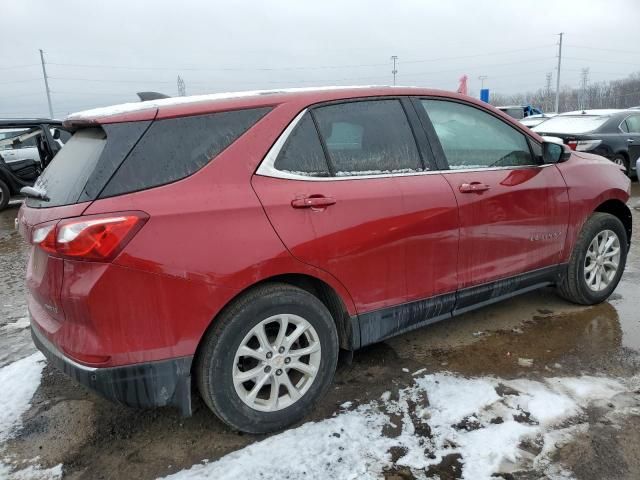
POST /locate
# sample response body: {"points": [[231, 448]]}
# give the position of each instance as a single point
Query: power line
{"points": [[315, 67], [605, 49], [13, 67], [635, 64]]}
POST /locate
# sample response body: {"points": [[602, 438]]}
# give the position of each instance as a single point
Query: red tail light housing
{"points": [[572, 144], [96, 238]]}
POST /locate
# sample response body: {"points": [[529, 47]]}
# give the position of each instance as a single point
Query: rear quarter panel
{"points": [[591, 180], [205, 233]]}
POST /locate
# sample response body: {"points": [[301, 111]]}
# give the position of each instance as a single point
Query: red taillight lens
{"points": [[572, 144], [95, 238], [45, 237]]}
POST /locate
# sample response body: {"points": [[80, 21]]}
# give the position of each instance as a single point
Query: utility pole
{"points": [[482, 78], [547, 92], [583, 92], [395, 70], [182, 89], [46, 84], [558, 78]]}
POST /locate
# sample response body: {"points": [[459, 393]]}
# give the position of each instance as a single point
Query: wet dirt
{"points": [[532, 336]]}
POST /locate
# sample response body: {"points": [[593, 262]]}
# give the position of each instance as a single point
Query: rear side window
{"points": [[302, 153], [368, 138], [175, 148], [633, 124], [474, 139]]}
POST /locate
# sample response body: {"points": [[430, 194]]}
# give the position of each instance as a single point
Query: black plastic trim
{"points": [[385, 323], [388, 322], [143, 385]]}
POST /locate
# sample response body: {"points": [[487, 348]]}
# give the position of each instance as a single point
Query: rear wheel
{"points": [[621, 160], [5, 195], [268, 359], [597, 261]]}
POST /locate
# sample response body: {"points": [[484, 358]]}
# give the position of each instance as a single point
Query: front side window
{"points": [[474, 139], [370, 137]]}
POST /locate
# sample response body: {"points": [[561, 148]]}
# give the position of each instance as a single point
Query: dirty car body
{"points": [[179, 209]]}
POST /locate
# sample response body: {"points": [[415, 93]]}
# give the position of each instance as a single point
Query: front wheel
{"points": [[5, 195], [597, 261], [268, 358]]}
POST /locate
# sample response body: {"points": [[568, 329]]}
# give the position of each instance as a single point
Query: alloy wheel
{"points": [[276, 362], [602, 260]]}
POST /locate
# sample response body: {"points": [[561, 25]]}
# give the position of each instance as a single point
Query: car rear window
{"points": [[571, 124], [125, 157], [67, 174]]}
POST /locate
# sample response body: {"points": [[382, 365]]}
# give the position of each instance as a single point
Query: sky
{"points": [[101, 53]]}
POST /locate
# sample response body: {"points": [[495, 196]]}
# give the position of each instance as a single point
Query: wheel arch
{"points": [[347, 325], [620, 210]]}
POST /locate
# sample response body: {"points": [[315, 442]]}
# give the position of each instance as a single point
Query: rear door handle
{"points": [[629, 140], [474, 187], [313, 201]]}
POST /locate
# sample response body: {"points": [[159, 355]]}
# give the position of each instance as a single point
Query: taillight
{"points": [[572, 144], [96, 238]]}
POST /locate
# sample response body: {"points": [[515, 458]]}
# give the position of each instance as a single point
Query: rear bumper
{"points": [[143, 385]]}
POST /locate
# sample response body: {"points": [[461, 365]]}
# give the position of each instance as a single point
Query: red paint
{"points": [[376, 242], [497, 223]]}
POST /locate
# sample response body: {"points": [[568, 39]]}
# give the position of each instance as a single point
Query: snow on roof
{"points": [[166, 102], [599, 112]]}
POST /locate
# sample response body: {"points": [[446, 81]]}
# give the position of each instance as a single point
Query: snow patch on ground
{"points": [[482, 420], [19, 381]]}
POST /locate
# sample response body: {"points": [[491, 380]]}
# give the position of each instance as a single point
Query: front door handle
{"points": [[629, 140], [313, 201], [474, 187]]}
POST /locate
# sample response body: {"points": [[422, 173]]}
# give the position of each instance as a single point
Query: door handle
{"points": [[313, 201], [629, 140], [474, 187]]}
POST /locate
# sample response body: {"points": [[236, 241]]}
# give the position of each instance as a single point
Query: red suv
{"points": [[241, 240]]}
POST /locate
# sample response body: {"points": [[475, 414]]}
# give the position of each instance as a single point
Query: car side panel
{"points": [[207, 240], [584, 174]]}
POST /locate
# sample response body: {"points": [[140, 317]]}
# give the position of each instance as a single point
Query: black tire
{"points": [[5, 195], [620, 159], [573, 285], [216, 356]]}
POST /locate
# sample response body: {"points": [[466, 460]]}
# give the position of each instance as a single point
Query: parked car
{"points": [[535, 120], [239, 241], [520, 111], [602, 132], [26, 148]]}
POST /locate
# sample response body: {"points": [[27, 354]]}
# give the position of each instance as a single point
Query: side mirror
{"points": [[553, 152]]}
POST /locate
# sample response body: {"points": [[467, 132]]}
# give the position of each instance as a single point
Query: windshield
{"points": [[572, 124]]}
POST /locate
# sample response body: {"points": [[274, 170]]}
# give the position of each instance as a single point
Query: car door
{"points": [[514, 210], [335, 193], [631, 128]]}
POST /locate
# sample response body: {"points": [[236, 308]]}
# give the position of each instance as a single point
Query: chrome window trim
{"points": [[267, 168]]}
